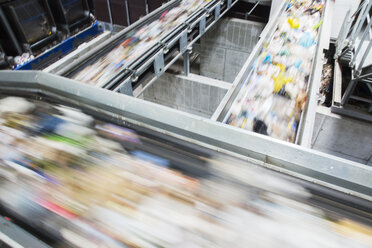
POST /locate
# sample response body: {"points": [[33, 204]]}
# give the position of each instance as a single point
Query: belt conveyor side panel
{"points": [[317, 167], [65, 47]]}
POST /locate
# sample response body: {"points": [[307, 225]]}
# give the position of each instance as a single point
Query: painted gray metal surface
{"points": [[16, 237], [333, 172], [306, 127]]}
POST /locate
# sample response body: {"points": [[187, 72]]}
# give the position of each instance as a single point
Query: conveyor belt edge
{"points": [[336, 173]]}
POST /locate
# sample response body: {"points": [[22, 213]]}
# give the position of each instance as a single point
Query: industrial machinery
{"points": [[37, 33], [352, 81], [334, 188], [151, 56], [32, 22], [119, 171], [140, 54]]}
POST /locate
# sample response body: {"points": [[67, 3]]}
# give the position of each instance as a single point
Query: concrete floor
{"points": [[343, 137]]}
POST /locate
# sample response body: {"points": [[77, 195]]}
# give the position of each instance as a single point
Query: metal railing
{"points": [[353, 48]]}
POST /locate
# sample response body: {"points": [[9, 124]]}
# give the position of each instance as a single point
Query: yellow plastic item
{"points": [[244, 122], [318, 24], [293, 22], [280, 81]]}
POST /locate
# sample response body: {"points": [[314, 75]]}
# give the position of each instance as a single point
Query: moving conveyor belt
{"points": [[342, 175], [273, 91], [220, 165], [96, 181], [282, 113], [148, 46]]}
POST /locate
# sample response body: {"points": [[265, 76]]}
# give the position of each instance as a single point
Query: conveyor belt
{"points": [[153, 56], [270, 92], [282, 194], [115, 41], [323, 169]]}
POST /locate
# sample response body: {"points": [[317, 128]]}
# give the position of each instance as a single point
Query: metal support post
{"points": [[147, 6], [185, 53], [343, 34], [127, 12], [159, 64], [217, 12], [202, 24], [364, 36], [360, 21], [186, 63], [349, 90], [248, 13], [127, 88], [365, 55], [110, 15]]}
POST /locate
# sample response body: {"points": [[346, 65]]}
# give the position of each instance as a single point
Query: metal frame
{"points": [[16, 237], [354, 56], [197, 22], [117, 38], [184, 42], [350, 28], [317, 167], [110, 15]]}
